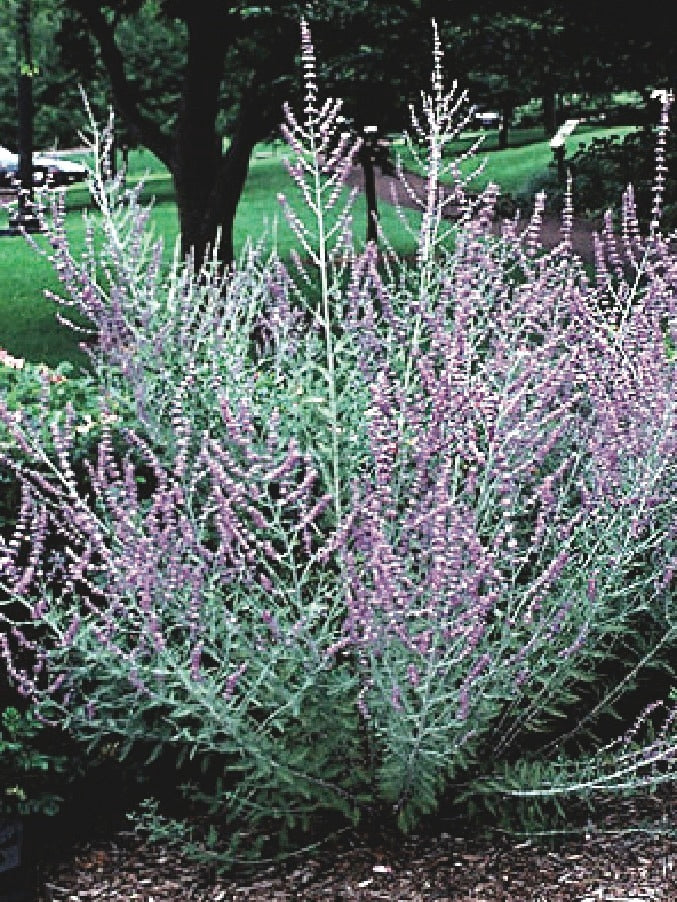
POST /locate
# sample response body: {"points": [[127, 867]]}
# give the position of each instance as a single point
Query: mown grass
{"points": [[521, 169], [28, 327]]}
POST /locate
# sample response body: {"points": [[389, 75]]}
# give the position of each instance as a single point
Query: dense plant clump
{"points": [[26, 390], [355, 531]]}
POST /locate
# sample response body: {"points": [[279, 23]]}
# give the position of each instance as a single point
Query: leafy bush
{"points": [[363, 530], [36, 395], [603, 170], [27, 773]]}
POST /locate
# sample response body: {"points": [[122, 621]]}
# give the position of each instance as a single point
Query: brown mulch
{"points": [[608, 860]]}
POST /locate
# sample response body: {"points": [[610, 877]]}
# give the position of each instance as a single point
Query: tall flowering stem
{"points": [[320, 170], [443, 117]]}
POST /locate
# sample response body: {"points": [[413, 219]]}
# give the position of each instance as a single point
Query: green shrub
{"points": [[36, 396], [603, 170], [28, 774]]}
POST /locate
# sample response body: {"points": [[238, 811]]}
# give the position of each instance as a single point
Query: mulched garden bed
{"points": [[628, 852]]}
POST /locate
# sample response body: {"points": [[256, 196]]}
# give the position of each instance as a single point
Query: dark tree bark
{"points": [[549, 106], [374, 152], [208, 198], [366, 157], [127, 100], [196, 156], [208, 182], [25, 217], [25, 98]]}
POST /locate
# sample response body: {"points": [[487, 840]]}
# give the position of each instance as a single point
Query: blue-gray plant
{"points": [[355, 527]]}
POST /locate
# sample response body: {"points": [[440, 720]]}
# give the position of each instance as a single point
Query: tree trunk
{"points": [[208, 183], [25, 217], [218, 214], [367, 160], [197, 156], [650, 113]]}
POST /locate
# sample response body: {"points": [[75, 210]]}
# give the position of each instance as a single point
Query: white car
{"points": [[52, 171]]}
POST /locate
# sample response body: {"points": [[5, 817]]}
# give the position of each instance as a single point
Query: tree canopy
{"points": [[185, 74], [203, 72]]}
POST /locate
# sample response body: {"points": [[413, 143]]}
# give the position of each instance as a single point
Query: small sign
{"points": [[566, 129], [11, 835]]}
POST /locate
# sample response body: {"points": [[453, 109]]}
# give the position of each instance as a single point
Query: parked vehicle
{"points": [[47, 170], [8, 164]]}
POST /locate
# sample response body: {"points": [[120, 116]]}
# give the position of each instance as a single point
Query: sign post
{"points": [[558, 147]]}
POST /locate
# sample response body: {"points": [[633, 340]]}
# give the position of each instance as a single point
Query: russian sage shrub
{"points": [[393, 519]]}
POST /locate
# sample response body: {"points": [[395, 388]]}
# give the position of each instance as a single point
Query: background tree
{"points": [[501, 59], [515, 49], [508, 55], [178, 121], [217, 71], [184, 75], [58, 112]]}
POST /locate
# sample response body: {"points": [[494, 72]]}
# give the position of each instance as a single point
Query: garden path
{"points": [[551, 234]]}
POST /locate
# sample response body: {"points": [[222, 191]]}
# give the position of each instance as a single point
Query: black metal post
{"points": [[367, 157], [560, 154], [25, 218]]}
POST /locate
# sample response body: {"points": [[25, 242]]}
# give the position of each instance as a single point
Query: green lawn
{"points": [[521, 169], [29, 327]]}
